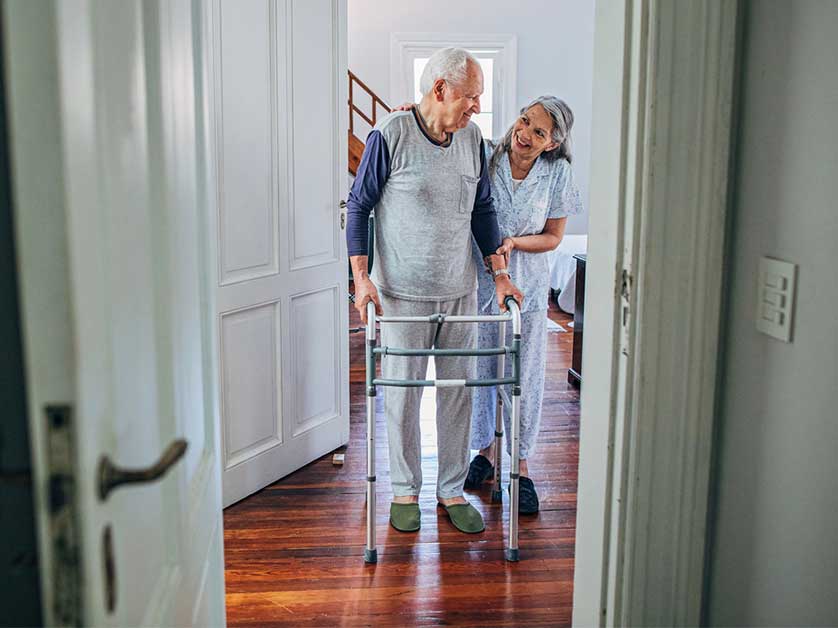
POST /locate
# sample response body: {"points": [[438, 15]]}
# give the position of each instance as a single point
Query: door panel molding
{"points": [[307, 374], [303, 122], [254, 375], [236, 209]]}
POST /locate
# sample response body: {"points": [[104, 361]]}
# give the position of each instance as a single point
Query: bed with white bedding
{"points": [[563, 269]]}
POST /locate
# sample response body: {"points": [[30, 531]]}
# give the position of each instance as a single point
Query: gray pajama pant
{"points": [[401, 405], [533, 362]]}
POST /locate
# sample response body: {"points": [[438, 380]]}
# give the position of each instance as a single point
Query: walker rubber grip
{"points": [[508, 299]]}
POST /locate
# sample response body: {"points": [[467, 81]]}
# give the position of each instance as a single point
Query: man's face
{"points": [[463, 101]]}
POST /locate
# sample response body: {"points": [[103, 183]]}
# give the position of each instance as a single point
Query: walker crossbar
{"points": [[513, 315], [444, 318], [444, 383], [442, 352]]}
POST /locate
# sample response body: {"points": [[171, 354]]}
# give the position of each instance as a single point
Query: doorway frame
{"points": [[664, 86], [663, 126]]}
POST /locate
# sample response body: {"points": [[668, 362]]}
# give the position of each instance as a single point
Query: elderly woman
{"points": [[534, 192]]}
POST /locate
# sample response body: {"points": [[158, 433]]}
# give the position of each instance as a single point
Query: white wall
{"points": [[774, 558], [555, 52]]}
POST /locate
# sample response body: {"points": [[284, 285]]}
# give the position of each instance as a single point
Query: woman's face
{"points": [[532, 133]]}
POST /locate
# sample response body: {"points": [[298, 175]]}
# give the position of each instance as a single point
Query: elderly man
{"points": [[425, 173]]}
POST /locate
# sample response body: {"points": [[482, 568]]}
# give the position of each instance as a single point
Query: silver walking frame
{"points": [[514, 351]]}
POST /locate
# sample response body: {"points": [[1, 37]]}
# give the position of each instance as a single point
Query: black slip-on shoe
{"points": [[527, 497], [479, 470]]}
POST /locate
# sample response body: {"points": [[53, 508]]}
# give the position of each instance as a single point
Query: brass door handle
{"points": [[110, 476]]}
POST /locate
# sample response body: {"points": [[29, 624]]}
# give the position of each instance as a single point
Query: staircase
{"points": [[356, 145]]}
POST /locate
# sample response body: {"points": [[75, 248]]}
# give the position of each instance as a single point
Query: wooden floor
{"points": [[294, 551]]}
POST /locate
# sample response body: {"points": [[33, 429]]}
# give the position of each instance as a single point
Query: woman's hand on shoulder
{"points": [[406, 106]]}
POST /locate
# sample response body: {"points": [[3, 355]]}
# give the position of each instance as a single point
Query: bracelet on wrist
{"points": [[501, 271]]}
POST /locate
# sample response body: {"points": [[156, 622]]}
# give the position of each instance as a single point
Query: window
{"points": [[497, 56]]}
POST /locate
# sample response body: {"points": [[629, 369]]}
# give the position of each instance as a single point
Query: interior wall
{"points": [[773, 558], [555, 53]]}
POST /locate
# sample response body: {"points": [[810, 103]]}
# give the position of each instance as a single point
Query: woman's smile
{"points": [[521, 143]]}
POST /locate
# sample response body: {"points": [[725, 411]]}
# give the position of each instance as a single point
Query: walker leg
{"points": [[497, 489], [515, 466], [514, 478], [370, 551]]}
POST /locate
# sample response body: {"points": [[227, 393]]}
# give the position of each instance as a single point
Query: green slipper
{"points": [[465, 517], [405, 517]]}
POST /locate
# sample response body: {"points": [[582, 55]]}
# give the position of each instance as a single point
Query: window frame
{"points": [[503, 48]]}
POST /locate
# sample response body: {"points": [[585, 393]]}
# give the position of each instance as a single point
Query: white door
{"points": [[279, 117], [141, 374]]}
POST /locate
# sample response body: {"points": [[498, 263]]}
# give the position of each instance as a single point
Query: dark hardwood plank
{"points": [[293, 551]]}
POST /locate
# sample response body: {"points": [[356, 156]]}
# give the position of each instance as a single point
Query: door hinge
{"points": [[626, 281]]}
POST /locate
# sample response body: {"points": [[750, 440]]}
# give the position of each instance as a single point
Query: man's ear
{"points": [[439, 90]]}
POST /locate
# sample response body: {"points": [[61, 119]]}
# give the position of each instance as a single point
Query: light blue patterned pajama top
{"points": [[548, 191]]}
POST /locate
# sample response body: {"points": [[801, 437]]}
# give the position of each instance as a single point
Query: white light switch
{"points": [[775, 298]]}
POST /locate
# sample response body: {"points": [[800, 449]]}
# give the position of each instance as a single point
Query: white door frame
{"points": [[664, 87], [32, 101], [664, 77]]}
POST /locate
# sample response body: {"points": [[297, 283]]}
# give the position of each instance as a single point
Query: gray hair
{"points": [[562, 118], [448, 64]]}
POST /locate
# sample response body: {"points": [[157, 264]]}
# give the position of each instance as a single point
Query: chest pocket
{"points": [[468, 191]]}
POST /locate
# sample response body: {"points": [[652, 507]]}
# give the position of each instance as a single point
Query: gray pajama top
{"points": [[429, 199]]}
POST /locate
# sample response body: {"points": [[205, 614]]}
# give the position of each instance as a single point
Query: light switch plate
{"points": [[775, 298]]}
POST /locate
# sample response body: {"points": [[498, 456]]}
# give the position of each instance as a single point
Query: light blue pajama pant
{"points": [[533, 362], [453, 405]]}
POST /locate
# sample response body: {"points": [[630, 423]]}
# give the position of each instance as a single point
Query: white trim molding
{"points": [[404, 47], [662, 136]]}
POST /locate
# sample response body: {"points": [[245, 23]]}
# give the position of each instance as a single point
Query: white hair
{"points": [[448, 64]]}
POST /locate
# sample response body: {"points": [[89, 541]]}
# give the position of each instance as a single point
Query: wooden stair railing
{"points": [[356, 145]]}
